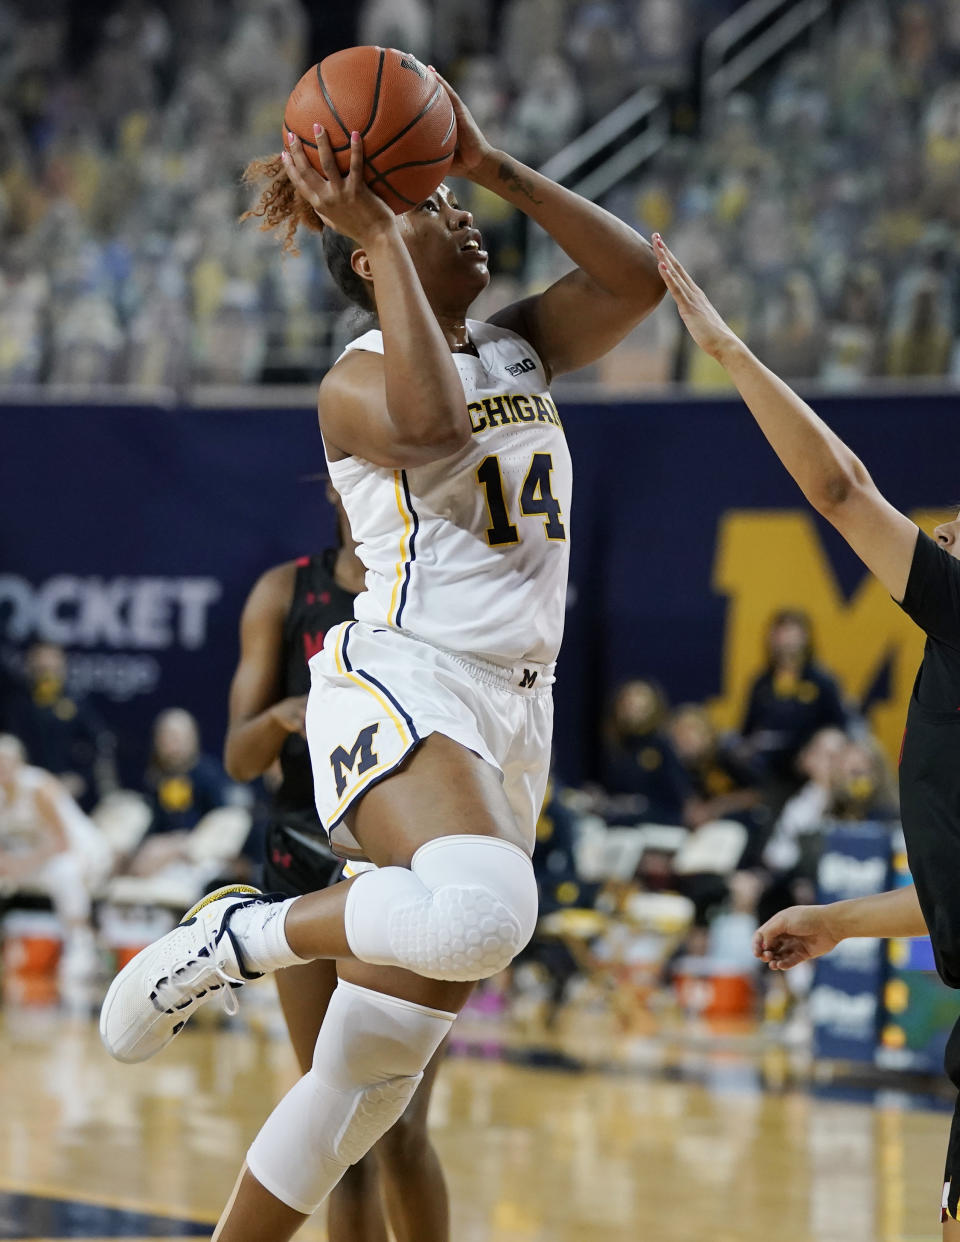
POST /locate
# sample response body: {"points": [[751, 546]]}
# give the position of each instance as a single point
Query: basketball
{"points": [[397, 105]]}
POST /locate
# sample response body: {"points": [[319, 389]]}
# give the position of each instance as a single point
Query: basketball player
{"points": [[923, 576], [429, 717], [285, 620], [48, 844]]}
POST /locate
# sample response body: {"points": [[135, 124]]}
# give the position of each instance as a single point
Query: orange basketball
{"points": [[398, 106]]}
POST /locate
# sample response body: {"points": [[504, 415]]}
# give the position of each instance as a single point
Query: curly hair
{"points": [[281, 208]]}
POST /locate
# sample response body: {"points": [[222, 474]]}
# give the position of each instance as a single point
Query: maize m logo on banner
{"points": [[766, 560]]}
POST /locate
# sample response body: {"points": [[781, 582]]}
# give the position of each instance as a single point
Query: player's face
{"points": [[446, 249], [947, 535]]}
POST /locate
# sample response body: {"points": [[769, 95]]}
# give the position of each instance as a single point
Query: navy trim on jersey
{"points": [[412, 553], [373, 681], [343, 646], [383, 690]]}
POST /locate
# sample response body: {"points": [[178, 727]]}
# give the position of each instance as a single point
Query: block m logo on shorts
{"points": [[360, 758], [529, 679]]}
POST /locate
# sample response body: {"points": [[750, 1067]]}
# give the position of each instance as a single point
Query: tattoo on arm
{"points": [[522, 185]]}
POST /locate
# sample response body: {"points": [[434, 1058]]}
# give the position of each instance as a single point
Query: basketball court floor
{"points": [[676, 1134]]}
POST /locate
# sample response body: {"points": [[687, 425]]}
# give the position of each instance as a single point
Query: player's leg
{"points": [[376, 1044], [950, 1202], [413, 1183], [355, 1212], [404, 1159]]}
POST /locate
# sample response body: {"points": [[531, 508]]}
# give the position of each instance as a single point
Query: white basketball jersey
{"points": [[471, 552]]}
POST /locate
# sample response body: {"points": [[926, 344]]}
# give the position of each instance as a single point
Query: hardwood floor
{"points": [[669, 1142]]}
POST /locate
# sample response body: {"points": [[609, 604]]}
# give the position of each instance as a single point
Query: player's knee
{"points": [[463, 911], [368, 1062]]}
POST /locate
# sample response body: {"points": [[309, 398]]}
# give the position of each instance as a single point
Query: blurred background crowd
{"points": [[657, 871], [819, 203]]}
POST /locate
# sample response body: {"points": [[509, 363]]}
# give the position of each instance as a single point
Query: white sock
{"points": [[259, 931]]}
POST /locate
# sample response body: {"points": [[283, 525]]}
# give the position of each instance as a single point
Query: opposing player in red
{"points": [[285, 620], [429, 718], [923, 576]]}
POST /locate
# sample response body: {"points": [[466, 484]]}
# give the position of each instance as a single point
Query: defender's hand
{"points": [[794, 935], [698, 313], [345, 204]]}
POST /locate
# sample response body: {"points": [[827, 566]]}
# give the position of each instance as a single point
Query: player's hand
{"points": [[698, 313], [291, 714], [472, 147], [794, 935], [346, 204]]}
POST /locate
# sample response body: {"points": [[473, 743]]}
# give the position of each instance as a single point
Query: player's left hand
{"points": [[472, 147], [702, 319], [795, 935]]}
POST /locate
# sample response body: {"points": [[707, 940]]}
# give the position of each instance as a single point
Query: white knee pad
{"points": [[368, 1061], [463, 911]]}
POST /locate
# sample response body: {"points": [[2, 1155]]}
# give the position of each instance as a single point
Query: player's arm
{"points": [[260, 721], [802, 932], [406, 407], [615, 284], [829, 474], [54, 840]]}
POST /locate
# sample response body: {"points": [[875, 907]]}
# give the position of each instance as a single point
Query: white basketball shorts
{"points": [[376, 693]]}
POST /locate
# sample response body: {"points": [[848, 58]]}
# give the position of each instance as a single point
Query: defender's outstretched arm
{"points": [[829, 474]]}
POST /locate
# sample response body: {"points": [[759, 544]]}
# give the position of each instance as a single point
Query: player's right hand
{"points": [[291, 714], [345, 204], [701, 318], [795, 935]]}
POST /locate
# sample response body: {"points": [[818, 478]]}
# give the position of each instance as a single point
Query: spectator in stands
{"points": [[793, 849], [530, 29], [546, 114], [48, 846], [852, 346], [397, 23], [920, 338], [846, 780], [788, 702], [641, 774], [183, 784], [60, 731], [722, 786], [665, 30], [603, 50], [791, 336], [863, 787]]}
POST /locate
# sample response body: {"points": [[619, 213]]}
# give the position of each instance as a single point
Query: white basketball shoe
{"points": [[151, 999]]}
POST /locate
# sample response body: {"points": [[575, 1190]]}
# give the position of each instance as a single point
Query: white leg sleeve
{"points": [[369, 1059], [463, 911]]}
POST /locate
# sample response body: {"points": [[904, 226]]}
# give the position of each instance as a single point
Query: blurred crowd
{"points": [[662, 867], [114, 866], [819, 208], [124, 128]]}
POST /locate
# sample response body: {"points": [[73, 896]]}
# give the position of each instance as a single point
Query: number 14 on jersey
{"points": [[536, 499]]}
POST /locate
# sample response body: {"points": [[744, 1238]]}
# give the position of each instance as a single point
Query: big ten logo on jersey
{"points": [[769, 560], [120, 616], [360, 758], [521, 367], [508, 408]]}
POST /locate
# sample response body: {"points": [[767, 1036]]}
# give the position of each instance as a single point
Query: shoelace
{"points": [[172, 993]]}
